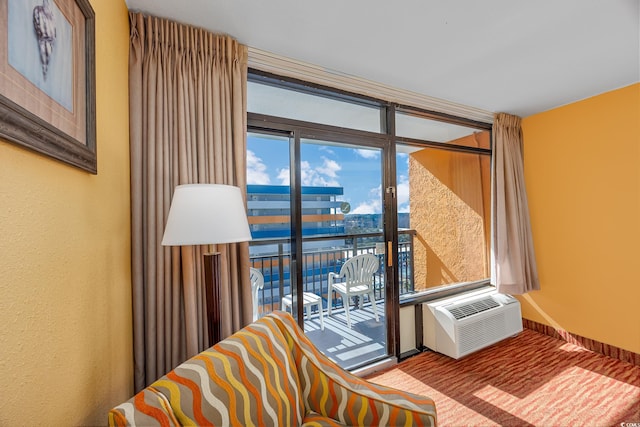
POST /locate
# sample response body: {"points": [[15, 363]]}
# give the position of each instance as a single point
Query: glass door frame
{"points": [[297, 131]]}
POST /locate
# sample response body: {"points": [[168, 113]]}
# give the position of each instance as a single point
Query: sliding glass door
{"points": [[342, 263], [316, 206], [269, 214]]}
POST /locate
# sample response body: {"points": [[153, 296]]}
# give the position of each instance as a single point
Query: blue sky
{"points": [[358, 171]]}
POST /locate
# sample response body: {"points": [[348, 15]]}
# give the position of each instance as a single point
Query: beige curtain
{"points": [[187, 125], [514, 268]]}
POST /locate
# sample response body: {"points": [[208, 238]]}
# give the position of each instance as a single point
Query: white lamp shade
{"points": [[203, 214]]}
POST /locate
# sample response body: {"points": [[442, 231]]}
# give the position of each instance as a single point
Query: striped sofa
{"points": [[269, 374]]}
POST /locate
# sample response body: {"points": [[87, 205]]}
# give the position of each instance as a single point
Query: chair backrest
{"points": [[359, 270], [257, 283]]}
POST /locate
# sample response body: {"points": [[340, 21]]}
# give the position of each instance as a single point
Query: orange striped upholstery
{"points": [[269, 374], [337, 394]]}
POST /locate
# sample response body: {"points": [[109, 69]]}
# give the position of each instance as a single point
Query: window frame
{"points": [[278, 125]]}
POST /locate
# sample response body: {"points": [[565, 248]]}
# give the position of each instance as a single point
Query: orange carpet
{"points": [[528, 380]]}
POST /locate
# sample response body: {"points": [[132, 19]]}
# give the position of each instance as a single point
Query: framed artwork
{"points": [[47, 78]]}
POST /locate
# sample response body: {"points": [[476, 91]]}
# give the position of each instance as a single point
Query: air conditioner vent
{"points": [[475, 307], [461, 324]]}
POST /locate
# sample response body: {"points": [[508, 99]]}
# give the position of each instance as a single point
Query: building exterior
{"points": [[269, 213]]}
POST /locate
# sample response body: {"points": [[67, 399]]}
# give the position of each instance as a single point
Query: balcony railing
{"points": [[325, 254]]}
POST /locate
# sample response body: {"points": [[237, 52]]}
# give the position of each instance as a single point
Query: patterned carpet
{"points": [[528, 380]]}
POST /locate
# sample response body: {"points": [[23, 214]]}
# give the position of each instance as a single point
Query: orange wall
{"points": [[65, 286], [582, 171]]}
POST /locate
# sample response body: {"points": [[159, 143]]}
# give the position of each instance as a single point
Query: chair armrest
{"points": [[332, 276]]}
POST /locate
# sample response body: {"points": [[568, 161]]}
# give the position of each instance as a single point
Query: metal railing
{"points": [[319, 260]]}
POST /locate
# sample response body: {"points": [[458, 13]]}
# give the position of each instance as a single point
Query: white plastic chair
{"points": [[257, 283], [357, 273]]}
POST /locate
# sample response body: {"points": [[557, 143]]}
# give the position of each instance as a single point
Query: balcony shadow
{"points": [[349, 348]]}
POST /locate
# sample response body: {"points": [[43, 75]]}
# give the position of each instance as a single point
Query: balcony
{"points": [[366, 340]]}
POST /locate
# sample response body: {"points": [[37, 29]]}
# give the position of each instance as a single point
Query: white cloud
{"points": [[326, 149], [403, 194], [256, 170], [306, 173], [284, 176], [320, 181], [404, 208], [367, 153], [322, 176], [329, 168], [371, 206]]}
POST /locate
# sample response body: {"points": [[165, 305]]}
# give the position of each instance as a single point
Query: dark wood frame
{"points": [[297, 129], [25, 128]]}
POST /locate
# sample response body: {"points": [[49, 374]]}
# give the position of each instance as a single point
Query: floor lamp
{"points": [[206, 214]]}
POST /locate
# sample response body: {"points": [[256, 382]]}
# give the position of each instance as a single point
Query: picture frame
{"points": [[47, 78]]}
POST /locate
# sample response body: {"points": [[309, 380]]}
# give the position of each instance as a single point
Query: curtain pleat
{"points": [[187, 125], [514, 269]]}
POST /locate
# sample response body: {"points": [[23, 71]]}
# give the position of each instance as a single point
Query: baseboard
{"points": [[589, 344], [408, 354], [380, 365]]}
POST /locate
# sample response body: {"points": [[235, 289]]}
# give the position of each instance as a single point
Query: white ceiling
{"points": [[520, 57]]}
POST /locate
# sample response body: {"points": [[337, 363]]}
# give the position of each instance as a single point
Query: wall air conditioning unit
{"points": [[464, 323]]}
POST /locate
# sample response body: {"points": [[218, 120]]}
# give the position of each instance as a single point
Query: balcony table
{"points": [[309, 300]]}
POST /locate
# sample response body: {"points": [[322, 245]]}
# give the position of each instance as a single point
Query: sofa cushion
{"points": [[316, 420], [246, 379]]}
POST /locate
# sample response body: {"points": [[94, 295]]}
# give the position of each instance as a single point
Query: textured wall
{"points": [[582, 171], [65, 310], [450, 207]]}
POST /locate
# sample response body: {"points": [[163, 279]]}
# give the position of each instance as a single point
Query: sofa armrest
{"points": [[334, 392], [149, 407], [338, 394]]}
